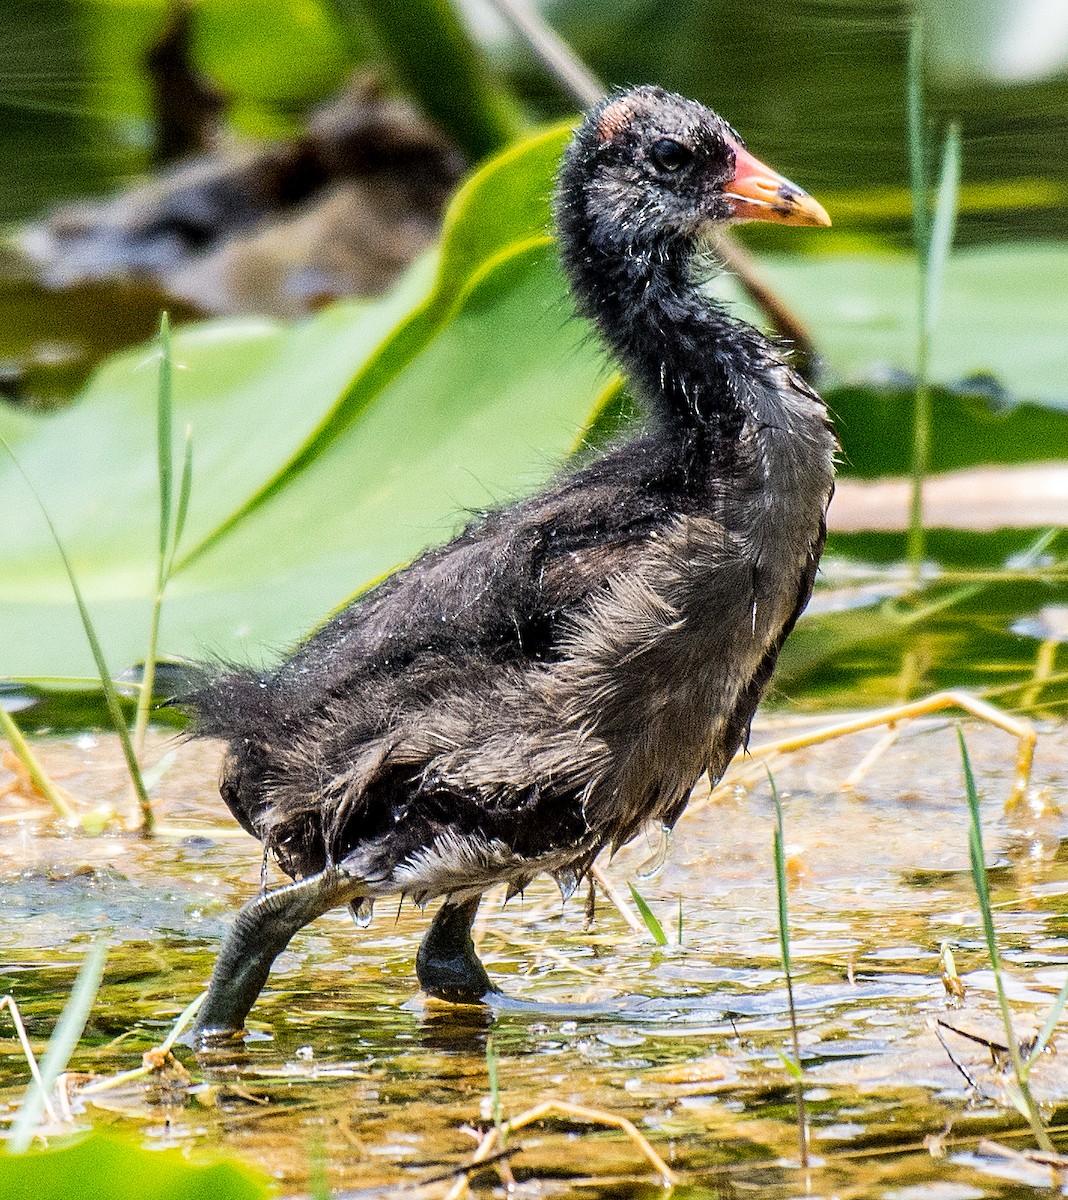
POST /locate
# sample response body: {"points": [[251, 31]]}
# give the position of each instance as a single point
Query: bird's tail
{"points": [[225, 701]]}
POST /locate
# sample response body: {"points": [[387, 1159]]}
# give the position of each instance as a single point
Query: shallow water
{"points": [[684, 1040]]}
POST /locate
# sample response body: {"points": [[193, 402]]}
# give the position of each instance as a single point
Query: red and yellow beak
{"points": [[757, 193]]}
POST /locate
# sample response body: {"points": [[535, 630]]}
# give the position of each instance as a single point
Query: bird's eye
{"points": [[670, 155]]}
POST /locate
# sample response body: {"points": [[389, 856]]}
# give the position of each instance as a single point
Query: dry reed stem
{"points": [[553, 955], [1043, 673], [232, 832], [1056, 1164], [1044, 1157], [869, 760], [63, 1085], [1022, 730], [8, 1002], [16, 818], [622, 904], [745, 771], [152, 1061]]}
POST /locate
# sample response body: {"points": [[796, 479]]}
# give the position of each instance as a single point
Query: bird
{"points": [[566, 669]]}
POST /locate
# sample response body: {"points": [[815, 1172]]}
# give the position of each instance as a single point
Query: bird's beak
{"points": [[757, 193]]}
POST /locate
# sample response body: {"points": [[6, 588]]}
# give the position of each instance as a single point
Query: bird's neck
{"points": [[687, 359]]}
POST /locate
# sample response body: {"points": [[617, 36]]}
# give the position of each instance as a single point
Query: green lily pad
{"points": [[323, 453], [875, 428], [113, 1170], [1003, 315]]}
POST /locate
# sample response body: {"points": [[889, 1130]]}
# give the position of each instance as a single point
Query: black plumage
{"points": [[568, 667]]}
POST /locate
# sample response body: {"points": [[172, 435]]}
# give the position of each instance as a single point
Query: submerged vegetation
{"points": [[332, 449]]}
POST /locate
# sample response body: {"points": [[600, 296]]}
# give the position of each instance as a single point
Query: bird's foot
{"points": [[447, 964], [259, 934]]}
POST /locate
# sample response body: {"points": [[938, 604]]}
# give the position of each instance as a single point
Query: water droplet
{"points": [[362, 911], [659, 836], [567, 880]]}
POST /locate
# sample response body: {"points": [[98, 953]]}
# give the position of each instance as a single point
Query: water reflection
{"points": [[683, 1040]]}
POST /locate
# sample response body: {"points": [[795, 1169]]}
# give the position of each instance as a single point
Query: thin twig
{"points": [[953, 1059], [8, 1002], [554, 54], [466, 1169], [620, 901], [152, 1059], [546, 1108]]}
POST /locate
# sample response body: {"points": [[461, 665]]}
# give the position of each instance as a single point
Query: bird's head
{"points": [[648, 166]]}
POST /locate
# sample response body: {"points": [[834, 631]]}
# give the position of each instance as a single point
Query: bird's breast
{"points": [[666, 666]]}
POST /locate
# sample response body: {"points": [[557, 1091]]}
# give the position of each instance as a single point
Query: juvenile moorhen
{"points": [[567, 668]]}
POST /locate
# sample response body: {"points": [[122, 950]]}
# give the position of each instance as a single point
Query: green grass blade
{"points": [[1031, 555], [977, 854], [982, 891], [648, 916], [165, 439], [793, 1067], [921, 232], [168, 539], [185, 488], [917, 142], [164, 550], [780, 882], [38, 775], [945, 222], [1051, 1024], [111, 696], [495, 1086], [61, 1045], [148, 678], [318, 1182]]}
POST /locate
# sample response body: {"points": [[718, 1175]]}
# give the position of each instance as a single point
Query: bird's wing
{"points": [[501, 588]]}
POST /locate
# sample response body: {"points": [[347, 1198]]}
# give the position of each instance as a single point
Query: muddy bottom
{"points": [[345, 1062]]}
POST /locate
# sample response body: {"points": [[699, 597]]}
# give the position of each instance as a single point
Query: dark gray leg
{"points": [[447, 964], [260, 933]]}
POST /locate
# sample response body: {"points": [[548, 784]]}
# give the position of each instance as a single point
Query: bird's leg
{"points": [[447, 964], [260, 933], [1021, 729]]}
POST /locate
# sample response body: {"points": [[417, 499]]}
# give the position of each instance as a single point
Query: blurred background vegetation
{"points": [[818, 85], [267, 169]]}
